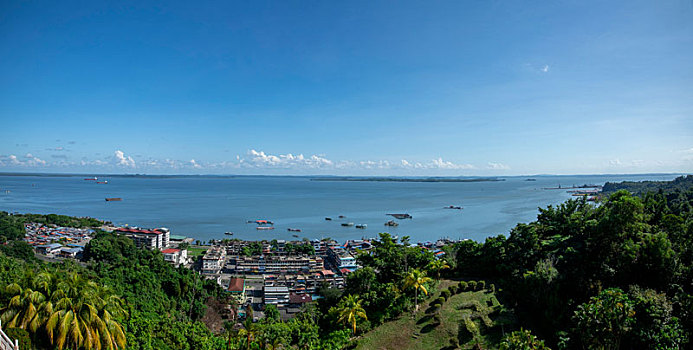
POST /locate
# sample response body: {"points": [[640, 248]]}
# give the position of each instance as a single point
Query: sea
{"points": [[205, 207]]}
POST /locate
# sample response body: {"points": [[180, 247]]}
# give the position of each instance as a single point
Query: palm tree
{"points": [[416, 279], [73, 311], [436, 266], [26, 308], [350, 308]]}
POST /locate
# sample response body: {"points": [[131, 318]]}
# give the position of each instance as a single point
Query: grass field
{"points": [[196, 251], [421, 331]]}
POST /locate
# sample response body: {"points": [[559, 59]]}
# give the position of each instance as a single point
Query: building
{"points": [[73, 253], [175, 256], [157, 238], [237, 289], [49, 248], [276, 264], [213, 260], [298, 300], [341, 259], [276, 295]]}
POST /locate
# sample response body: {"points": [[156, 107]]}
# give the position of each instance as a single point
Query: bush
{"points": [[453, 289], [492, 288], [436, 319], [445, 294], [471, 285], [481, 285], [441, 301], [463, 286]]}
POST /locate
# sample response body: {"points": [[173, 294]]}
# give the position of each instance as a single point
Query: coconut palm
{"points": [[436, 266], [416, 279], [248, 332], [74, 312], [350, 309], [26, 308]]}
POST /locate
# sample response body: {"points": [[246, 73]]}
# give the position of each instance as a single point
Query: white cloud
{"points": [[615, 162], [441, 164], [28, 156], [260, 159], [13, 160], [194, 164], [119, 159], [545, 69], [497, 166]]}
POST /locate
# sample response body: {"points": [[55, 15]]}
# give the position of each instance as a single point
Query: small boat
{"points": [[328, 219], [91, 178], [342, 216], [348, 224], [361, 226], [263, 222], [228, 233], [114, 199], [391, 223], [294, 229], [401, 216], [265, 227], [453, 207], [296, 236], [101, 182]]}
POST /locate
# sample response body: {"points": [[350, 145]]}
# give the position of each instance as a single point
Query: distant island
{"points": [[407, 179]]}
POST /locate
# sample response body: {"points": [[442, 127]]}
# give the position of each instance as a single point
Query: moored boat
{"points": [[114, 199], [265, 227], [348, 224], [228, 233], [391, 223], [294, 229], [401, 216], [361, 226]]}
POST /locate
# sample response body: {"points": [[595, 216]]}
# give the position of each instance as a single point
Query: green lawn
{"points": [[421, 332], [194, 251]]}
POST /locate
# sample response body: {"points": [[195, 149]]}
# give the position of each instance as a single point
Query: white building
{"points": [[157, 238], [175, 256], [213, 260]]}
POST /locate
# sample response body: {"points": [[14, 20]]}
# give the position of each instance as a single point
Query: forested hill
{"points": [[680, 184]]}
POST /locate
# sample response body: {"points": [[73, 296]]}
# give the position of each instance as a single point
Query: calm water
{"points": [[205, 207]]}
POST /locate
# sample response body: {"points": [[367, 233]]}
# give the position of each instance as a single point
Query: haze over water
{"points": [[206, 207]]}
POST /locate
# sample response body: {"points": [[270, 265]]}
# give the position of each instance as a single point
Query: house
{"points": [[49, 248], [237, 289], [298, 300], [175, 256], [72, 253]]}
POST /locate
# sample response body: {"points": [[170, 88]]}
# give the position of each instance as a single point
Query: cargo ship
{"points": [[114, 199], [401, 216], [91, 178], [265, 227]]}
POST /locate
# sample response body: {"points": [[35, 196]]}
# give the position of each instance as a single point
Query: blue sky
{"points": [[382, 88]]}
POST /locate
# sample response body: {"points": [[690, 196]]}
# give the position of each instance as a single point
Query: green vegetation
{"points": [[613, 275]]}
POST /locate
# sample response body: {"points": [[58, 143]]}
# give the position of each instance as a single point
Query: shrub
{"points": [[441, 301], [445, 294], [471, 285], [436, 319], [21, 335], [453, 289], [463, 286], [492, 288], [481, 285]]}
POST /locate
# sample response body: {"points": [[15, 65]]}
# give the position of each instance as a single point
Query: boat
{"points": [[114, 199], [228, 233], [452, 207], [328, 219], [361, 226], [294, 229], [401, 216], [265, 227], [101, 182], [348, 224], [391, 223], [342, 216], [263, 222], [295, 236], [91, 178]]}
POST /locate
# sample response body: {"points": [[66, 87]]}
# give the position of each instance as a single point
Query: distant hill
{"points": [[682, 183]]}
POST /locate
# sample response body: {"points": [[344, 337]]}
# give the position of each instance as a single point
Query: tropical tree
{"points": [[248, 332], [436, 266], [73, 311], [416, 279], [350, 309]]}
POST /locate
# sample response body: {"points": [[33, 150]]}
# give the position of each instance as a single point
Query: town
{"points": [[286, 274]]}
